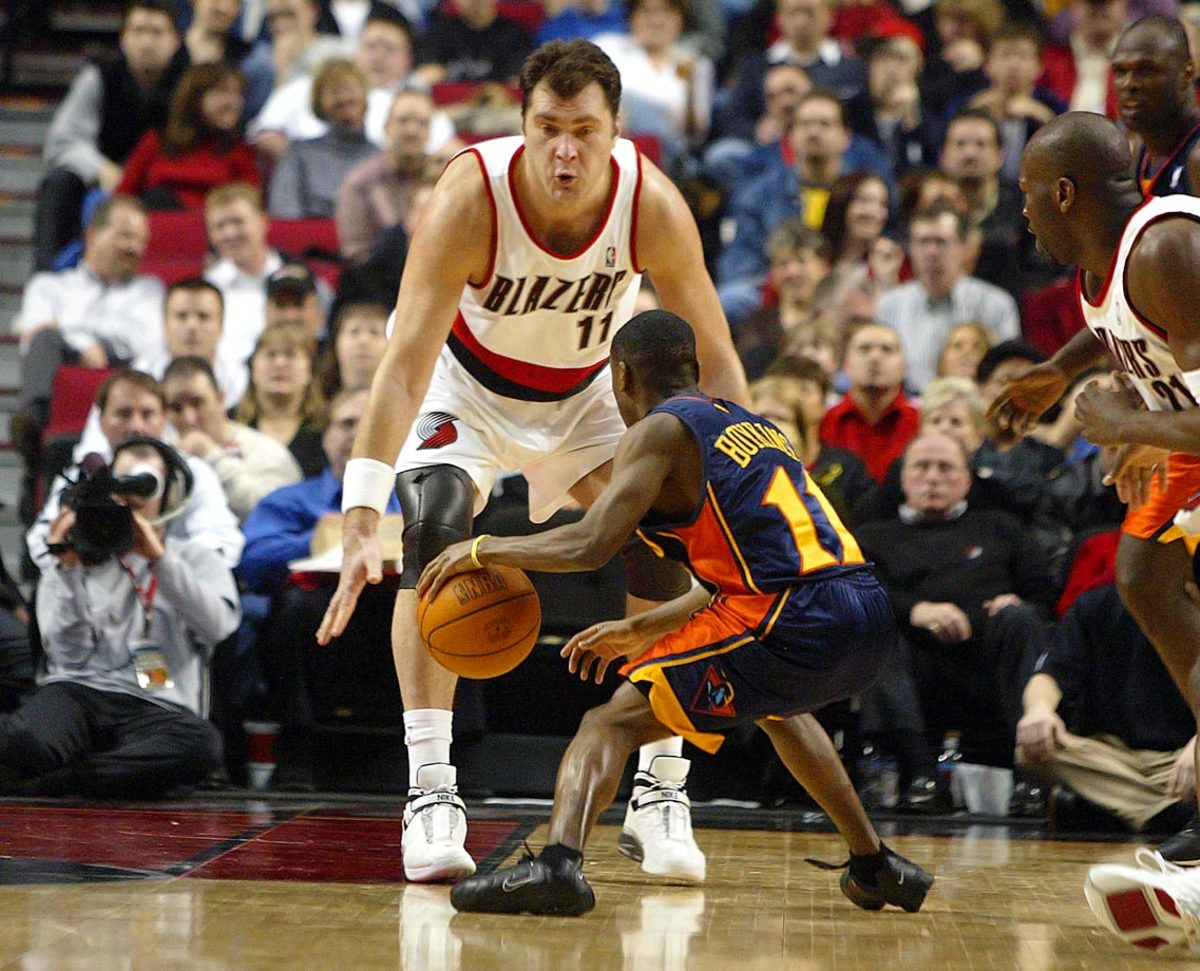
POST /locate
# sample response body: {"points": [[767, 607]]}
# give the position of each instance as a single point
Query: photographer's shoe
{"points": [[885, 878], [535, 885], [658, 823], [435, 828]]}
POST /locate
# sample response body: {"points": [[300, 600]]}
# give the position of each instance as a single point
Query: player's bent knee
{"points": [[438, 503], [650, 577]]}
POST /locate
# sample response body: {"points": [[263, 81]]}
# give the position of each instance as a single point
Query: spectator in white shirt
{"points": [[99, 314], [666, 90], [385, 53], [132, 403], [237, 231], [249, 463], [926, 309]]}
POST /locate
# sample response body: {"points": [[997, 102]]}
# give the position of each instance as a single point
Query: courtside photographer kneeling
{"points": [[128, 619]]}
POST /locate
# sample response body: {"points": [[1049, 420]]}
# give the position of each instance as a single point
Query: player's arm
{"points": [[1024, 400], [1163, 284], [668, 247], [641, 466], [451, 246]]}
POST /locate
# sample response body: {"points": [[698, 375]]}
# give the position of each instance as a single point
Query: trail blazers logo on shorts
{"points": [[436, 429], [715, 696]]}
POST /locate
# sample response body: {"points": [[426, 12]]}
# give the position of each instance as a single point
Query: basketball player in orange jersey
{"points": [[787, 618], [1139, 288], [525, 264]]}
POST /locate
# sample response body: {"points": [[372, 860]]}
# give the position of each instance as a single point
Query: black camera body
{"points": [[104, 526]]}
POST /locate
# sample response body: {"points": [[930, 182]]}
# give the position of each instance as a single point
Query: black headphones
{"points": [[179, 482]]}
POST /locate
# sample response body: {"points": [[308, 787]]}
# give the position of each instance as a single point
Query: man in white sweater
{"points": [[249, 464]]}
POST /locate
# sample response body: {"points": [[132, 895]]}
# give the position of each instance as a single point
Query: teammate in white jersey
{"points": [[1139, 287], [523, 267]]}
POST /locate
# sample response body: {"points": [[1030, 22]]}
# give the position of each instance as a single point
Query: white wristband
{"points": [[369, 483]]}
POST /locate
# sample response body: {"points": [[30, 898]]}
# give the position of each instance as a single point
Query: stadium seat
{"points": [[178, 235]]}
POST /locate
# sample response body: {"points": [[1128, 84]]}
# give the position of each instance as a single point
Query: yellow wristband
{"points": [[475, 550]]}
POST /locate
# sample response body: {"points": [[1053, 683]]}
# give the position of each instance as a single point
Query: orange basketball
{"points": [[482, 624]]}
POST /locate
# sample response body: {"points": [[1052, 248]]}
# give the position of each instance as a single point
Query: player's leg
{"points": [[1151, 578], [438, 504], [876, 875], [656, 835], [553, 882]]}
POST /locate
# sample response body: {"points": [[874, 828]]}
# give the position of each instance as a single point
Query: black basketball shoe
{"points": [[885, 878], [1183, 849], [532, 886]]}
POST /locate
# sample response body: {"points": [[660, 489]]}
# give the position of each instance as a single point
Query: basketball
{"points": [[481, 624]]}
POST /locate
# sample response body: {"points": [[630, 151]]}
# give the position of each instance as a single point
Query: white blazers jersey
{"points": [[1139, 346], [540, 326]]}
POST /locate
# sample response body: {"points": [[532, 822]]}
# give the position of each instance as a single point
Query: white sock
{"points": [[427, 735], [668, 746]]}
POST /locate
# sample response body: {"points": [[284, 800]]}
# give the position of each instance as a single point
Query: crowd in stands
{"points": [[225, 218]]}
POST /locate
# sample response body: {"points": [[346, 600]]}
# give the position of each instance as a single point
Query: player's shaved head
{"points": [[1156, 32], [659, 347], [1081, 146]]}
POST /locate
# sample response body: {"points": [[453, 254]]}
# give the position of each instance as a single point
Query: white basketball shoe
{"points": [[658, 823], [435, 828], [1151, 906]]}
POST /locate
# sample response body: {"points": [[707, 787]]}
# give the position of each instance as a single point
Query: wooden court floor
{"points": [[256, 885]]}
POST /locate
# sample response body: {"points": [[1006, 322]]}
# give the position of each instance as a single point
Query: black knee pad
{"points": [[438, 502], [651, 577]]}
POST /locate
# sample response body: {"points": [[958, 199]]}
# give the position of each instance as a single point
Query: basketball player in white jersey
{"points": [[1139, 288], [525, 263]]}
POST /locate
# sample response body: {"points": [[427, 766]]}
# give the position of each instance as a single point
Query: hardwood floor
{"points": [[315, 886]]}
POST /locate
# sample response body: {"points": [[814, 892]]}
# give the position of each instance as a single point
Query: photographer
{"points": [[128, 618]]}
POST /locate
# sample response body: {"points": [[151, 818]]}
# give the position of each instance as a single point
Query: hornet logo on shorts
{"points": [[715, 696], [436, 429]]}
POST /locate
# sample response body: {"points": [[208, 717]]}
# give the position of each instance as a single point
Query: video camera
{"points": [[103, 526]]}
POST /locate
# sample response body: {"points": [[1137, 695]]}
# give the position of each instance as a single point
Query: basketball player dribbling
{"points": [[525, 264], [1139, 287], [788, 617]]}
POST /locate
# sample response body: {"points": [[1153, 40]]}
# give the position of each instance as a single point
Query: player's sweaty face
{"points": [[569, 141]]}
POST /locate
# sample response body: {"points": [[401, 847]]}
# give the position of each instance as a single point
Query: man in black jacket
{"points": [[110, 105], [967, 586]]}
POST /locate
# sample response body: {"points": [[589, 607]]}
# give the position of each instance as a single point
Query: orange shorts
{"points": [[1156, 519]]}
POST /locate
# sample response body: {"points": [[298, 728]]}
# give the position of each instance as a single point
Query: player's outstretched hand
{"points": [[362, 563], [1025, 399], [454, 559], [599, 646]]}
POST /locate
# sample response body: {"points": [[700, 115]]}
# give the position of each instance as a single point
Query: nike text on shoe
{"points": [[1152, 906], [658, 823], [531, 886], [435, 828], [886, 878], [1183, 849]]}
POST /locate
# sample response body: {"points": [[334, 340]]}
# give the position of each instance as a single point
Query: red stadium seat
{"points": [[177, 235], [649, 146], [314, 241], [172, 270], [71, 399]]}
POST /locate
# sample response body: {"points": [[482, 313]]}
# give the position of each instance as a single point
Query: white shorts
{"points": [[553, 444]]}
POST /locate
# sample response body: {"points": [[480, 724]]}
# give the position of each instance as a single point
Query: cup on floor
{"points": [[262, 740]]}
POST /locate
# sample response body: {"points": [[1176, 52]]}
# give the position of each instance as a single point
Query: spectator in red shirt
{"points": [[200, 148], [874, 420]]}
